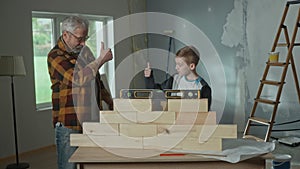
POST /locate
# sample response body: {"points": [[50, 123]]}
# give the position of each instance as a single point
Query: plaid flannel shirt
{"points": [[74, 78]]}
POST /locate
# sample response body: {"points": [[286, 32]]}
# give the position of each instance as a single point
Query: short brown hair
{"points": [[190, 54]]}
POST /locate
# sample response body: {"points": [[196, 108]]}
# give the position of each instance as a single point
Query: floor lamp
{"points": [[12, 66]]}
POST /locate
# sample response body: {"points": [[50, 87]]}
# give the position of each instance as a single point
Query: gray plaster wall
{"points": [[242, 31]]}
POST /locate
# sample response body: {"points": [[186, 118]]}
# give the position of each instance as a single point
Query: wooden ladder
{"points": [[289, 60]]}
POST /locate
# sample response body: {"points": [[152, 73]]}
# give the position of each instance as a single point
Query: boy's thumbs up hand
{"points": [[147, 71]]}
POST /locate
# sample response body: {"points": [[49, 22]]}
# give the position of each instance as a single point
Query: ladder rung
{"points": [[266, 101], [276, 63], [270, 82], [253, 137], [282, 44], [293, 2], [260, 120], [283, 26], [296, 44]]}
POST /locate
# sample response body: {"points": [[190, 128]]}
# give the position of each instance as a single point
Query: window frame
{"points": [[57, 18]]}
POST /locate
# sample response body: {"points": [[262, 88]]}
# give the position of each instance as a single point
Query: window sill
{"points": [[44, 108]]}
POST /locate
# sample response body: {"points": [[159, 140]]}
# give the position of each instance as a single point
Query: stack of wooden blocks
{"points": [[133, 124]]}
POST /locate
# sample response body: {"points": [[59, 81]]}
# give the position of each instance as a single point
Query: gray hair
{"points": [[71, 23]]}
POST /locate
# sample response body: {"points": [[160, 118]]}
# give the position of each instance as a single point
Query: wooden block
{"points": [[117, 117], [161, 142], [213, 144], [133, 105], [94, 128], [181, 143], [83, 140], [188, 105], [214, 131], [220, 131], [153, 117], [174, 130], [195, 131], [159, 105], [156, 117], [118, 141], [138, 130], [197, 118]]}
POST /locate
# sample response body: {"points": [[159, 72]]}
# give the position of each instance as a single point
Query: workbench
{"points": [[95, 158]]}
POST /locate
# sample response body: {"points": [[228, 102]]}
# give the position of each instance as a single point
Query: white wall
{"points": [[35, 128]]}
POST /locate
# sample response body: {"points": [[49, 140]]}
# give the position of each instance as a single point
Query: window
{"points": [[46, 29]]}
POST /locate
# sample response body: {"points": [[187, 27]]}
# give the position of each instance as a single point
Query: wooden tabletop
{"points": [[100, 155], [91, 158]]}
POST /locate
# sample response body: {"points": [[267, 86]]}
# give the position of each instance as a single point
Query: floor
{"points": [[45, 158]]}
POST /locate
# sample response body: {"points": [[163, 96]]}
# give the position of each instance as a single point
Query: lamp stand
{"points": [[16, 165]]}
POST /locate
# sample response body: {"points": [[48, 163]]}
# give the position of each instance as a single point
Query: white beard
{"points": [[77, 49]]}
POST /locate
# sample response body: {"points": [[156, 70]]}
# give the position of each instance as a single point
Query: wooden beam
{"points": [[140, 105], [188, 105], [83, 140], [95, 128], [118, 117], [197, 118], [138, 130]]}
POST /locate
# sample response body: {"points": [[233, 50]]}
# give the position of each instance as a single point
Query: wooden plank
{"points": [[156, 117], [153, 117], [118, 141], [138, 130], [83, 140], [117, 117], [194, 131], [161, 142], [159, 105], [94, 128], [225, 131], [188, 105], [213, 144], [140, 105], [219, 131], [180, 143], [197, 118]]}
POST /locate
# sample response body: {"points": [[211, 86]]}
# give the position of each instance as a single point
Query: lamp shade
{"points": [[12, 66]]}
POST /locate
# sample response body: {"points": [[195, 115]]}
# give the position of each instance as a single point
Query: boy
{"points": [[187, 59]]}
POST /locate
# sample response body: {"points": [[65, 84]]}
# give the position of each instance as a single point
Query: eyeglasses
{"points": [[80, 39]]}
